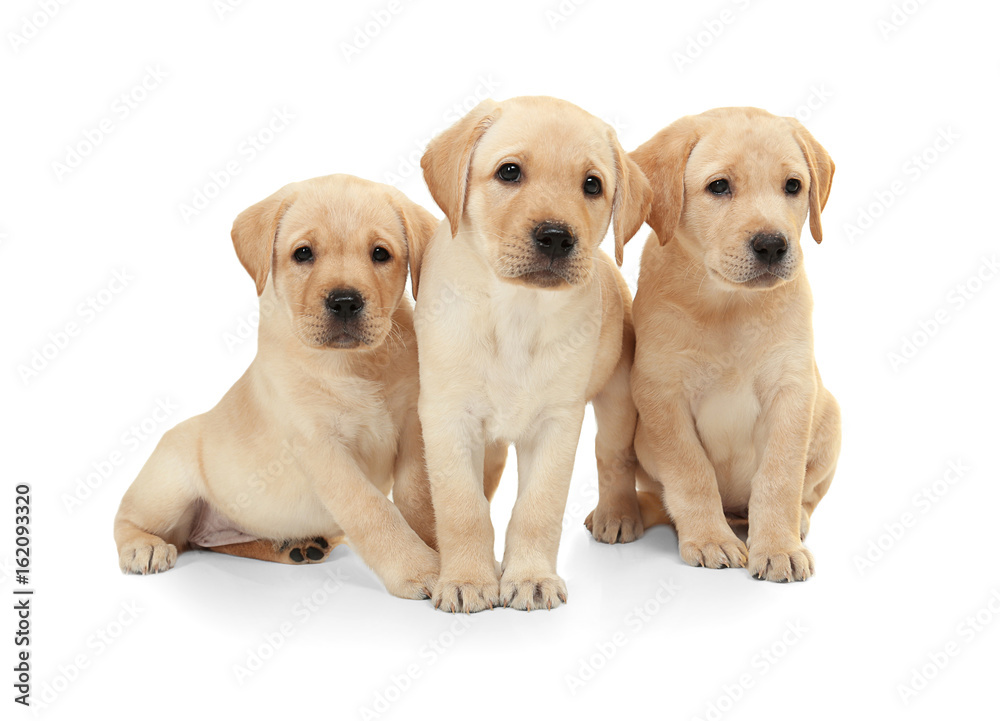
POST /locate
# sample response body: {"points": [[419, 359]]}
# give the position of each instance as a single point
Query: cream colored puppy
{"points": [[303, 449], [521, 320], [733, 417]]}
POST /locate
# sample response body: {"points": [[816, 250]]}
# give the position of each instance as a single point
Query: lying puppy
{"points": [[304, 448], [521, 320], [733, 417]]}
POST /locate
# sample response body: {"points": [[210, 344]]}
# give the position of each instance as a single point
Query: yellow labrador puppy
{"points": [[303, 449], [733, 417], [521, 320]]}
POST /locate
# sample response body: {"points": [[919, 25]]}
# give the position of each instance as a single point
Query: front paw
{"points": [[792, 562], [144, 556], [417, 578], [717, 550], [469, 593], [615, 521], [529, 591]]}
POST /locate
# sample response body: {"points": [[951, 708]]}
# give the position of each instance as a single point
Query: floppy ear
{"points": [[632, 198], [254, 232], [663, 158], [419, 226], [821, 169], [447, 158]]}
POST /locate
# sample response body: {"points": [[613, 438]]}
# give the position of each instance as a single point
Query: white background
{"points": [[882, 87]]}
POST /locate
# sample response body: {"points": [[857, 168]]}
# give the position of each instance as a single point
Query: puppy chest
{"points": [[524, 377], [361, 423], [368, 438], [726, 417], [512, 406]]}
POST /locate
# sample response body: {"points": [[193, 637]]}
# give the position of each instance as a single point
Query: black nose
{"points": [[769, 247], [554, 240], [345, 303]]}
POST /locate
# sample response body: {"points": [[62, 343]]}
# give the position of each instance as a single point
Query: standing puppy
{"points": [[521, 320], [304, 448], [733, 417]]}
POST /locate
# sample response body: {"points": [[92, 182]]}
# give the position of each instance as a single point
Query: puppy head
{"points": [[735, 185], [539, 180], [335, 250]]}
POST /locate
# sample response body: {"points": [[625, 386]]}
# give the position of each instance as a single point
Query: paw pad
{"points": [[314, 550]]}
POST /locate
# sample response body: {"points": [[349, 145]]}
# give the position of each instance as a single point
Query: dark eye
{"points": [[792, 186], [380, 255], [509, 172], [592, 185], [719, 187], [303, 254]]}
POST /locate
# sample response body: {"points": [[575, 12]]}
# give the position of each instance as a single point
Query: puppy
{"points": [[521, 320], [303, 449], [733, 417]]}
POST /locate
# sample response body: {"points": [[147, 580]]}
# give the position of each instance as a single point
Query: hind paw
{"points": [[313, 550]]}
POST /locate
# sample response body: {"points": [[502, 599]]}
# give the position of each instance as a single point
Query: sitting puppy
{"points": [[733, 417], [521, 320], [303, 449]]}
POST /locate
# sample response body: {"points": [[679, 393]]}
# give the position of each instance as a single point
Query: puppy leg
{"points": [[650, 495], [671, 452], [493, 465], [776, 499], [456, 450], [544, 467], [617, 517], [156, 514], [310, 550], [411, 490], [651, 510], [823, 453], [374, 526]]}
